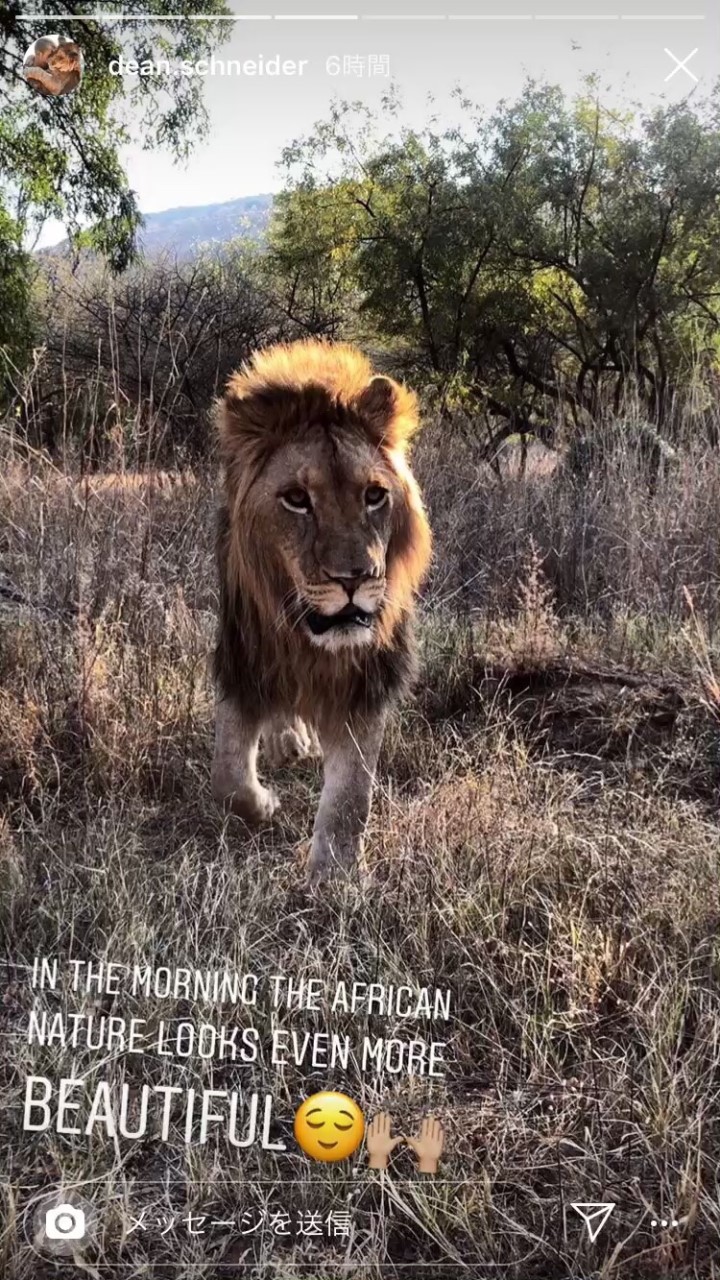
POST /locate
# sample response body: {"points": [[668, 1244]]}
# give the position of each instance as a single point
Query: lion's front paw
{"points": [[290, 742], [332, 855], [255, 805]]}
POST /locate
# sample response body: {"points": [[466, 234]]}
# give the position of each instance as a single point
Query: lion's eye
{"points": [[297, 500], [375, 497]]}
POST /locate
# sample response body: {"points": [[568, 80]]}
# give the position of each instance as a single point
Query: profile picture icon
{"points": [[53, 66]]}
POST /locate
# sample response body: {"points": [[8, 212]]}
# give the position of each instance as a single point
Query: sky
{"points": [[488, 47]]}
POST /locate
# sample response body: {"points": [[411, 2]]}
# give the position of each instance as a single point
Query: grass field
{"points": [[544, 843]]}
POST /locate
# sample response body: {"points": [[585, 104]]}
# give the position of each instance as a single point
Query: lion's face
{"points": [[65, 59], [327, 506], [328, 536]]}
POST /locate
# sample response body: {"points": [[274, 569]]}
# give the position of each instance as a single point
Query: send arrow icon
{"points": [[594, 1216]]}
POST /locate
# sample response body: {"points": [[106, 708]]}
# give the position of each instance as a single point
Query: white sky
{"points": [[253, 118]]}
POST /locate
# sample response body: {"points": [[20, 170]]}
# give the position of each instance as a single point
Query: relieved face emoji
{"points": [[329, 1126]]}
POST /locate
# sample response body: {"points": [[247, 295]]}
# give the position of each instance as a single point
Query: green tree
{"points": [[60, 156], [14, 296], [531, 263]]}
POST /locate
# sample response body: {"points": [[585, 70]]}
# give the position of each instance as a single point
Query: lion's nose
{"points": [[350, 579]]}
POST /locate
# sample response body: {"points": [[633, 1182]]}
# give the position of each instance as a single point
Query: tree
{"points": [[531, 263], [14, 297], [61, 156]]}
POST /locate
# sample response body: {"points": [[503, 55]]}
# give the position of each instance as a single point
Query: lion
{"points": [[322, 545], [54, 66]]}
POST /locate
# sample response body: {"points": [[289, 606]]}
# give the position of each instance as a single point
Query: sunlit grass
{"points": [[550, 852]]}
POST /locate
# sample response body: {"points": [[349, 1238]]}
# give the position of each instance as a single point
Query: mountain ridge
{"points": [[185, 229]]}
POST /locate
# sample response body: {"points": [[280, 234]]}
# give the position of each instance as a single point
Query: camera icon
{"points": [[59, 1223], [65, 1222]]}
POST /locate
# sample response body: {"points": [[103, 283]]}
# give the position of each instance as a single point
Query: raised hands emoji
{"points": [[379, 1142], [428, 1145]]}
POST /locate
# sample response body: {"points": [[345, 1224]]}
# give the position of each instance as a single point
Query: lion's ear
{"points": [[376, 404], [388, 411]]}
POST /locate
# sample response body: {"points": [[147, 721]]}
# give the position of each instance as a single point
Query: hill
{"points": [[187, 228]]}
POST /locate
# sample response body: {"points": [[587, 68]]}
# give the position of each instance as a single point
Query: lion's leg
{"points": [[285, 741], [350, 763], [235, 784]]}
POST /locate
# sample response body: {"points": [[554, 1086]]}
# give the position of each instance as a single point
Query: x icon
{"points": [[681, 65]]}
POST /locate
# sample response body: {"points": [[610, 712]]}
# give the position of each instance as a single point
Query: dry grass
{"points": [[545, 844]]}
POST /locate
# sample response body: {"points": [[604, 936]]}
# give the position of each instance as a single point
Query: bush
{"points": [[141, 358]]}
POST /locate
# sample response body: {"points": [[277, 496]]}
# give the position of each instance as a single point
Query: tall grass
{"points": [[543, 843]]}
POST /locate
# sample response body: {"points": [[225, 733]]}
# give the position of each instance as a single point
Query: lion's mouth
{"points": [[350, 616]]}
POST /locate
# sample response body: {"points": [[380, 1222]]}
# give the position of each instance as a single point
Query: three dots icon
{"points": [[664, 1222]]}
